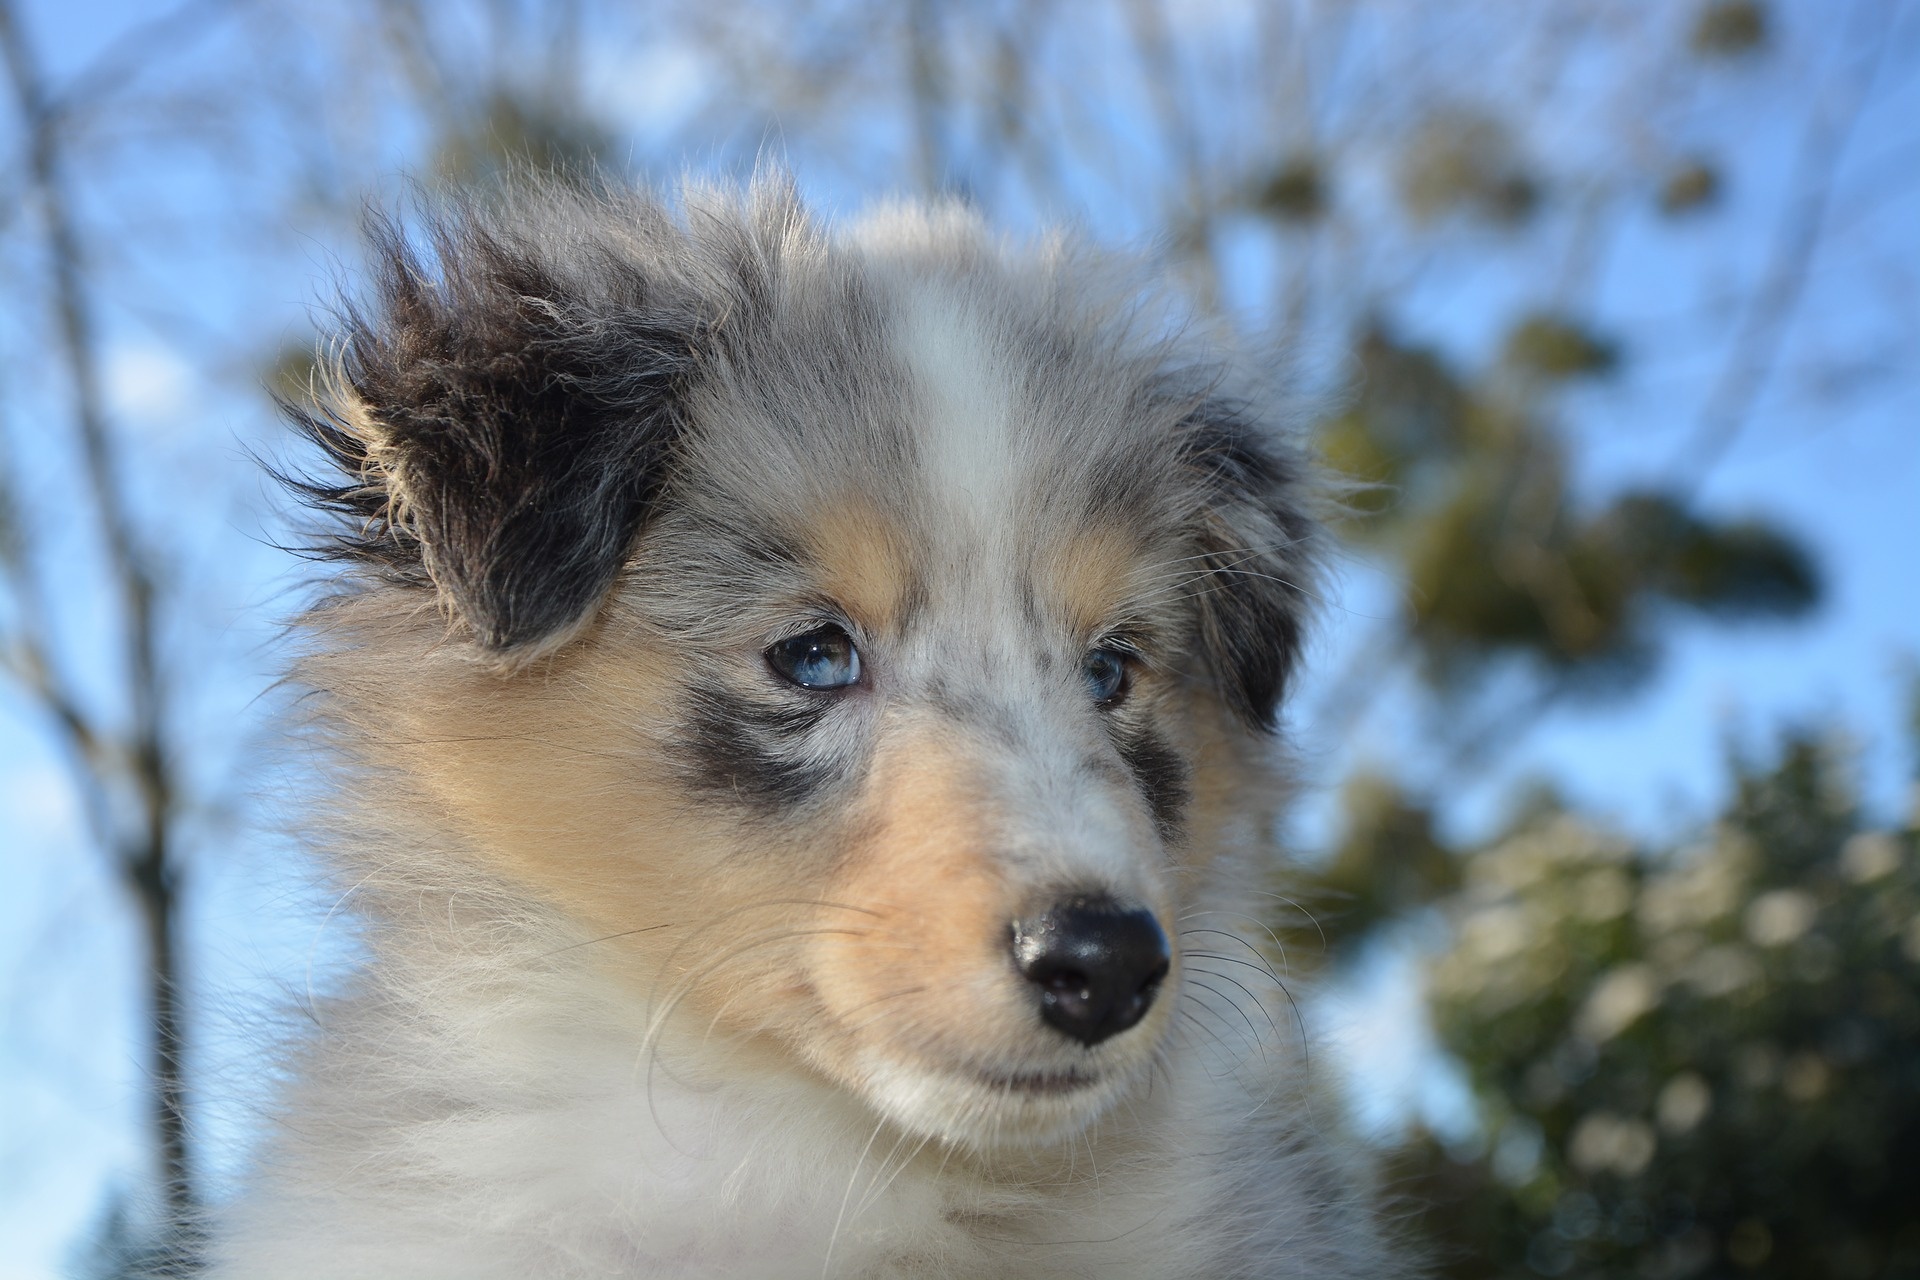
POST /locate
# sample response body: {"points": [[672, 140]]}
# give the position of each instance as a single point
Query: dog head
{"points": [[869, 637]]}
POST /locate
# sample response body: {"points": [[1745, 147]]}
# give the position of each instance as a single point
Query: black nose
{"points": [[1096, 964]]}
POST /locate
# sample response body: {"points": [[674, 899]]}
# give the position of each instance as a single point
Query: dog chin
{"points": [[983, 1107]]}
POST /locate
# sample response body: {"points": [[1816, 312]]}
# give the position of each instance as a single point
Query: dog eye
{"points": [[823, 659], [1105, 671]]}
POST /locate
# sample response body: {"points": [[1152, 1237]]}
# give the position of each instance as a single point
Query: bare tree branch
{"points": [[142, 848], [1189, 212], [136, 49], [1755, 349], [927, 89]]}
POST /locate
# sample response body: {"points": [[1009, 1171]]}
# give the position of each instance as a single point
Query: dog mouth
{"points": [[1038, 1084], [983, 1105]]}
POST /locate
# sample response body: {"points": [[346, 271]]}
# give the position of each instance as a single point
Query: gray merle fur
{"points": [[1255, 543]]}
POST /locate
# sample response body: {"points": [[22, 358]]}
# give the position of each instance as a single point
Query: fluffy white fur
{"points": [[479, 1114]]}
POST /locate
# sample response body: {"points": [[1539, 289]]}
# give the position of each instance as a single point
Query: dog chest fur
{"points": [[482, 1138]]}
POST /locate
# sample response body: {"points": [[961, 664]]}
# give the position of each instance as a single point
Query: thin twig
{"points": [[1755, 349], [142, 851]]}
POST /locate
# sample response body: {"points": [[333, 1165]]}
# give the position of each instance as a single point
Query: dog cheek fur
{"points": [[559, 778]]}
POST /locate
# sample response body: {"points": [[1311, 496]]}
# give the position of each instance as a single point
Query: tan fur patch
{"points": [[552, 777], [1092, 576], [862, 562], [929, 973], [1236, 799]]}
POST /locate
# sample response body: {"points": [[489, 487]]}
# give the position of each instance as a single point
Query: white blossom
{"points": [[1617, 1002], [1722, 970], [1868, 856], [1777, 918], [1683, 1102], [1604, 1141], [1706, 885]]}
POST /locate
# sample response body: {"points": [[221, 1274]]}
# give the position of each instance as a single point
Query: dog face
{"points": [[866, 640]]}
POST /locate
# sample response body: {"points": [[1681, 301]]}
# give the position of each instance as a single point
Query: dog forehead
{"points": [[1029, 488], [947, 438], [973, 455]]}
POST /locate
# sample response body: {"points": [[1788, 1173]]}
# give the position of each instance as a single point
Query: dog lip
{"points": [[1038, 1083]]}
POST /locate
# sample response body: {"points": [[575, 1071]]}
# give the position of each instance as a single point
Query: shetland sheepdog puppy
{"points": [[799, 708]]}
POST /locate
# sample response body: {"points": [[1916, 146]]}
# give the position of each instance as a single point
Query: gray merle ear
{"points": [[503, 411], [1257, 546]]}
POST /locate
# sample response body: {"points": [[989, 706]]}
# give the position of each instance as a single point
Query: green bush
{"points": [[1689, 1062]]}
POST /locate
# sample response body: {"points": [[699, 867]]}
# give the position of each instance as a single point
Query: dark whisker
{"points": [[1257, 1002], [1252, 1030], [1261, 967], [1203, 1004], [611, 937], [1193, 1021]]}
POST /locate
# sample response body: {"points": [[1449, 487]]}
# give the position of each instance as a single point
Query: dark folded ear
{"points": [[1257, 545], [502, 410]]}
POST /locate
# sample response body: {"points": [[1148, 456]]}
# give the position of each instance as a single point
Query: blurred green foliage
{"points": [[1468, 490], [1555, 347], [1730, 28], [1468, 162], [1699, 1059], [1389, 860], [1690, 1061], [516, 132], [292, 374], [1689, 187], [1296, 191]]}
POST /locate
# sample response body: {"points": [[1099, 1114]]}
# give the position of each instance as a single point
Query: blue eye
{"points": [[823, 659], [1105, 671]]}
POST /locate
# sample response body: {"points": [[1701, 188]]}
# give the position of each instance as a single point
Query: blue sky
{"points": [[1832, 452]]}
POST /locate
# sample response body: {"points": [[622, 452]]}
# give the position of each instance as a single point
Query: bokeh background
{"points": [[1603, 874]]}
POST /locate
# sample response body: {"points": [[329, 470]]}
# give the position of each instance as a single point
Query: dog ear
{"points": [[503, 420], [1257, 548]]}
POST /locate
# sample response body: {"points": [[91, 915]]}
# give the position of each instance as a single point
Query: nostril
{"points": [[1096, 965]]}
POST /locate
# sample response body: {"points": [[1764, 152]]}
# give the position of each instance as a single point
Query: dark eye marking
{"points": [[746, 751], [824, 659], [1161, 774], [1108, 673]]}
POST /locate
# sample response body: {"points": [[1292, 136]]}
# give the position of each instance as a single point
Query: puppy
{"points": [[799, 713]]}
